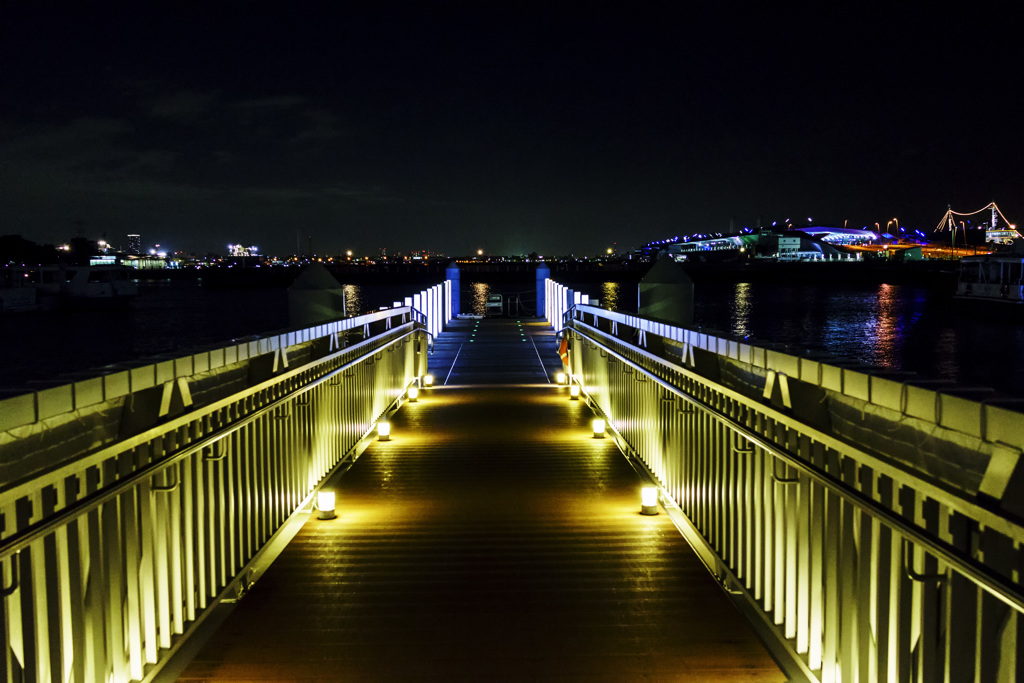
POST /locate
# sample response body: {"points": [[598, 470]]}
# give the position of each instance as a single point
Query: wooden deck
{"points": [[492, 539]]}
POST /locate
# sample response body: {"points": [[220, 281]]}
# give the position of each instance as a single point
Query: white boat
{"points": [[495, 305], [51, 287], [997, 278]]}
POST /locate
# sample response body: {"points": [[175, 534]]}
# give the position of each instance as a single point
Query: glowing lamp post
{"points": [[559, 378], [428, 380], [383, 431], [574, 392], [414, 394], [325, 505], [598, 425], [649, 500]]}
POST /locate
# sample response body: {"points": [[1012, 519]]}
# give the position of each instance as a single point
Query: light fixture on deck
{"points": [[574, 392], [559, 378], [383, 431], [649, 500], [428, 380], [325, 505], [414, 394], [598, 425]]}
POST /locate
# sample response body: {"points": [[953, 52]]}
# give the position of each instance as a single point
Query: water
{"points": [[167, 318], [897, 327], [901, 328]]}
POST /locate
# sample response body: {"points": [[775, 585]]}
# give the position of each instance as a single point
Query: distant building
{"points": [[237, 250], [135, 244]]}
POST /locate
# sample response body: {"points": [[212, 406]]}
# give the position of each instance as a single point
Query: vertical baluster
{"points": [[803, 562], [114, 590], [962, 623], [833, 563], [865, 577], [54, 581], [848, 579], [72, 559]]}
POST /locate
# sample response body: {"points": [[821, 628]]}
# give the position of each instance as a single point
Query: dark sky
{"points": [[454, 127]]}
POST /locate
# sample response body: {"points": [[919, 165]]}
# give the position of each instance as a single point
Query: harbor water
{"points": [[900, 328]]}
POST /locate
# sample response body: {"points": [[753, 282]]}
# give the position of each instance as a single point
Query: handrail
{"points": [[21, 489], [949, 555], [25, 537]]}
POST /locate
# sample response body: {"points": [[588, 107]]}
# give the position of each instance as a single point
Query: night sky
{"points": [[455, 127]]}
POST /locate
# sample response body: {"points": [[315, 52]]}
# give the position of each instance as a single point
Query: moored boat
{"points": [[997, 279], [52, 287]]}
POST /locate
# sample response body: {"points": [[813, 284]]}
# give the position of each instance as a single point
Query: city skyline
{"points": [[514, 130]]}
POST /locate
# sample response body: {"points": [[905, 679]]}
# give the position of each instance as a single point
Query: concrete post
{"points": [[543, 273], [452, 273]]}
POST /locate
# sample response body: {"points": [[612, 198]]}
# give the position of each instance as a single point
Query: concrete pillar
{"points": [[452, 273], [543, 273], [666, 293]]}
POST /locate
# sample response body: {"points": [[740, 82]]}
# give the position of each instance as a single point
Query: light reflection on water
{"points": [[899, 327], [610, 292], [478, 298]]}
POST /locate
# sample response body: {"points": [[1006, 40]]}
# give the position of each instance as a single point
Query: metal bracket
{"points": [[908, 570], [167, 488], [216, 458], [782, 480]]}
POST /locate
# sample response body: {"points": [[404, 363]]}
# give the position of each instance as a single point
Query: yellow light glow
{"points": [[428, 380], [384, 431], [414, 394], [325, 504], [649, 496], [598, 427], [574, 391], [559, 378], [649, 500]]}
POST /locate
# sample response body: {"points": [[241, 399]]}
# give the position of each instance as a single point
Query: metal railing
{"points": [[115, 545], [872, 522]]}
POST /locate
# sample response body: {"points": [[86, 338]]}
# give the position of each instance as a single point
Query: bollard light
{"points": [[414, 394], [384, 431], [598, 427], [325, 505], [574, 392], [559, 378], [428, 380], [649, 500]]}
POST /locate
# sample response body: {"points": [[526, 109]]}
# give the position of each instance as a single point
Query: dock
{"points": [[492, 538]]}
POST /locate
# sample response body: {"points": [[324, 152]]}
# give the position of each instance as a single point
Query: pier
{"points": [[817, 519], [493, 537]]}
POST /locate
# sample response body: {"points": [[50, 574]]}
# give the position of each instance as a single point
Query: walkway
{"points": [[492, 539]]}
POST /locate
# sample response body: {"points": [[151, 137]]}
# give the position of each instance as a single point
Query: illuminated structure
{"points": [[135, 244], [238, 250], [993, 232]]}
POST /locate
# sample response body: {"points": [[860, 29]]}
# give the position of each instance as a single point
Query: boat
{"points": [[996, 278], [495, 305], [54, 287]]}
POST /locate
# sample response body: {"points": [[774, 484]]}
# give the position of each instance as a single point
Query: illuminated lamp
{"points": [[649, 500], [414, 394], [598, 427], [325, 505], [574, 392], [383, 431], [559, 378], [428, 380]]}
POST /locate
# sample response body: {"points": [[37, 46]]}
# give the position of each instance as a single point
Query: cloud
{"points": [[183, 106]]}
